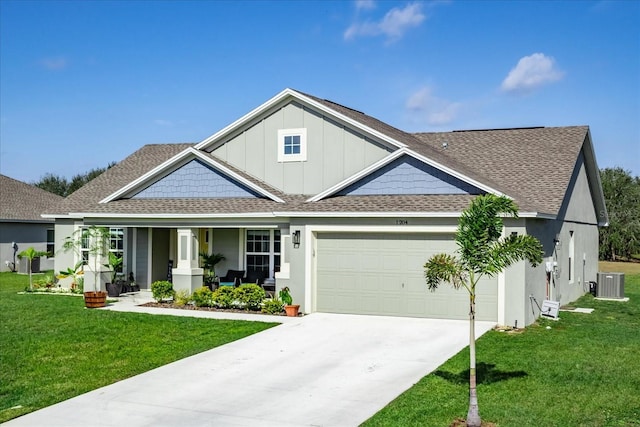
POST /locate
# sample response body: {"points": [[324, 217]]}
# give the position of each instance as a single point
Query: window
{"points": [[51, 242], [292, 145], [116, 244], [263, 251]]}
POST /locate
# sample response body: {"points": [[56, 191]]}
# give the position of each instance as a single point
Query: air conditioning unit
{"points": [[610, 285]]}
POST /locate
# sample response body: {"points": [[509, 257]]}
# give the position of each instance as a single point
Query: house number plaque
{"points": [[402, 222]]}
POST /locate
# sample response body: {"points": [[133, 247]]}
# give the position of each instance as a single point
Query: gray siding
{"points": [[142, 258], [195, 180], [225, 241], [160, 254], [408, 175], [333, 152], [25, 235]]}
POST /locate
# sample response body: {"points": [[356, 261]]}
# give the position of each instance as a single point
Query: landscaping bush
{"points": [[203, 297], [182, 297], [249, 296], [162, 290], [273, 306], [224, 297]]}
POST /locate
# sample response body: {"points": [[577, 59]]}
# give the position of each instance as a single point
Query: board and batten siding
{"points": [[334, 152]]}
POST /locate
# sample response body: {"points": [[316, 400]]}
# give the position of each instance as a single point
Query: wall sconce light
{"points": [[295, 238], [556, 240]]}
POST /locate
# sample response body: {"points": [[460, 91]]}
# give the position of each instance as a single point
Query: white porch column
{"points": [[187, 275]]}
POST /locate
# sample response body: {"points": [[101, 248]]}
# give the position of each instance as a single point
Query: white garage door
{"points": [[382, 273]]}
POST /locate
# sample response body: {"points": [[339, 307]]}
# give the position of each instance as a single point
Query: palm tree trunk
{"points": [[30, 279], [473, 415]]}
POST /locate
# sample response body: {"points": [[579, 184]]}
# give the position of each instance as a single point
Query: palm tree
{"points": [[30, 253], [209, 262], [481, 252]]}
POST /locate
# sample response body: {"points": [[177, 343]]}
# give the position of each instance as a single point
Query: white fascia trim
{"points": [[393, 156], [173, 215], [279, 97], [368, 214], [357, 176], [180, 157]]}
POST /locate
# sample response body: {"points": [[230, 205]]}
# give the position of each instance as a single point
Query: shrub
{"points": [[203, 297], [224, 297], [162, 290], [182, 297], [249, 296], [273, 306]]}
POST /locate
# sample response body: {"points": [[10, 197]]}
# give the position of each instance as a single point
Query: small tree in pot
{"points": [[92, 240]]}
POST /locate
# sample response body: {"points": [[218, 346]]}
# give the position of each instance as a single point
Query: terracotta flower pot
{"points": [[292, 310], [95, 299]]}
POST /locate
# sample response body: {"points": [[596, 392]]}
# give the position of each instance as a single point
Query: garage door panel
{"points": [[382, 273]]}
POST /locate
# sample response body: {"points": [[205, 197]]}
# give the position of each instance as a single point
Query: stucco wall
{"points": [[64, 228], [25, 235], [333, 151]]}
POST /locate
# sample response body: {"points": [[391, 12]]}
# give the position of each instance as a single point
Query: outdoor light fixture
{"points": [[295, 238]]}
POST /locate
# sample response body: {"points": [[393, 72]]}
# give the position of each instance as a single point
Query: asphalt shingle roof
{"points": [[20, 201], [532, 165]]}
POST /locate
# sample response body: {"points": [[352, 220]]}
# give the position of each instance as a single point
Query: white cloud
{"points": [[393, 25], [435, 111], [365, 4], [530, 73], [58, 63]]}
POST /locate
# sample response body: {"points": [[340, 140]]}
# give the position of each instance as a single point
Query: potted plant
{"points": [[92, 240], [114, 288], [30, 254], [209, 262], [287, 300]]}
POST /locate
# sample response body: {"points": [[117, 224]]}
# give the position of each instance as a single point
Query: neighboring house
{"points": [[21, 207], [345, 209]]}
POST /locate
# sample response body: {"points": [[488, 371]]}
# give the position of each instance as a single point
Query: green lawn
{"points": [[52, 348], [583, 371]]}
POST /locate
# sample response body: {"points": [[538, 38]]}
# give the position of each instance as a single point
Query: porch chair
{"points": [[232, 276]]}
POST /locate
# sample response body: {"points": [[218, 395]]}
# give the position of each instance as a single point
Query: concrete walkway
{"points": [[317, 370]]}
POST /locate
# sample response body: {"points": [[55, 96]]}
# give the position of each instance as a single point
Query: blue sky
{"points": [[86, 83]]}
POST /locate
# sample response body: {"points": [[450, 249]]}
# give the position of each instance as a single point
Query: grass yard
{"points": [[583, 371], [52, 348]]}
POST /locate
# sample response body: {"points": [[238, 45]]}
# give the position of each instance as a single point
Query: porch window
{"points": [[263, 251], [116, 244]]}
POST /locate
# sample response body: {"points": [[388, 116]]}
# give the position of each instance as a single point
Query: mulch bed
{"points": [[193, 307]]}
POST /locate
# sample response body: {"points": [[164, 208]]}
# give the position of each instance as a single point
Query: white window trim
{"points": [[302, 156], [271, 253]]}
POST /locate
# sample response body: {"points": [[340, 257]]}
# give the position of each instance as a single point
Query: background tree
{"points": [[481, 252], [59, 185], [621, 239]]}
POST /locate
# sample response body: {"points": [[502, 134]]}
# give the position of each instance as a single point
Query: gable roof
{"points": [[24, 202], [180, 158], [531, 165]]}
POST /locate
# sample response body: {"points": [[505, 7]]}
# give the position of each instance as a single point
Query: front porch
{"points": [[173, 253]]}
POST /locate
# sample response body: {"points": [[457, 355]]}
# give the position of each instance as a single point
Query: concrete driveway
{"points": [[319, 370]]}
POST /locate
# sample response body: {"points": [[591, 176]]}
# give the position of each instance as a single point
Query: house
{"points": [[22, 226], [345, 209]]}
